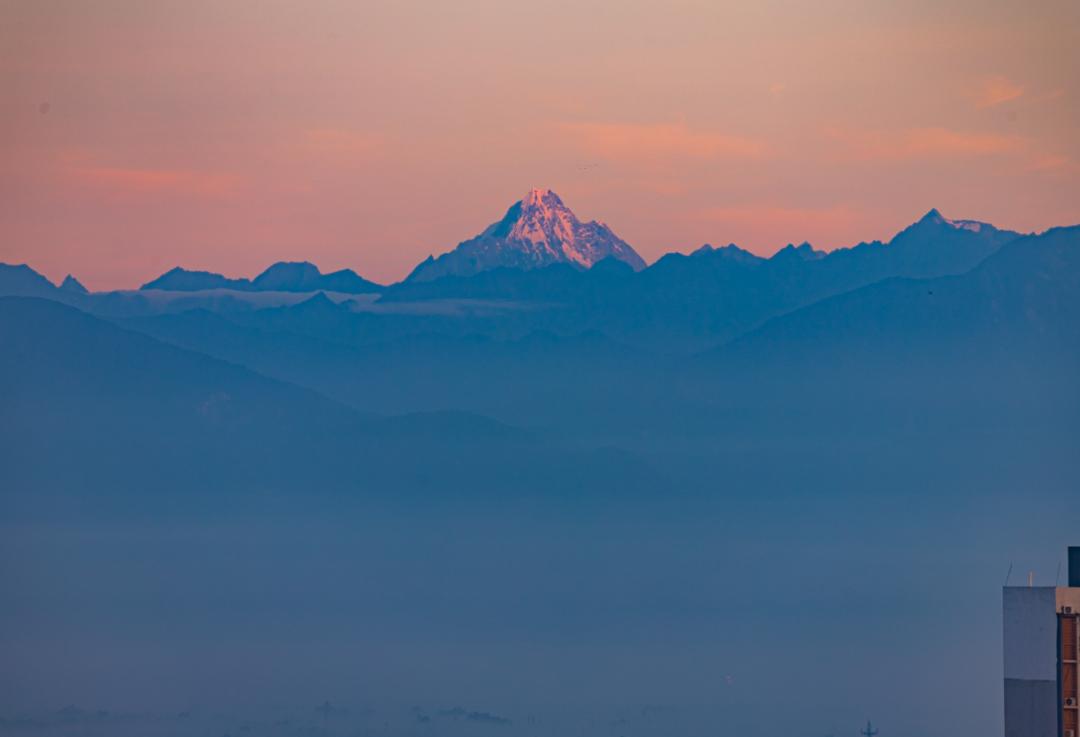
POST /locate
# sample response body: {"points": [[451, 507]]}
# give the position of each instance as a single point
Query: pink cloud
{"points": [[211, 185], [623, 141], [994, 91], [925, 143], [1051, 163]]}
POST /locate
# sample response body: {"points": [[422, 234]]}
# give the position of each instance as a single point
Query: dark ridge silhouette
{"points": [[19, 280], [715, 294], [280, 277], [1024, 297], [73, 285]]}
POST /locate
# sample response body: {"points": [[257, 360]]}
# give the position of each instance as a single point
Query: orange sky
{"points": [[225, 135]]}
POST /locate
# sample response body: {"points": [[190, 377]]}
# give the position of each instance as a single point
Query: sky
{"points": [[226, 135]]}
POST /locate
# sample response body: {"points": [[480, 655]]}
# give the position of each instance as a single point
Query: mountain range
{"points": [[537, 231], [600, 352], [470, 342], [1024, 298], [596, 344], [573, 277]]}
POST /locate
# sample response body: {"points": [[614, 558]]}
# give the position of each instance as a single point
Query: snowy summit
{"points": [[538, 230]]}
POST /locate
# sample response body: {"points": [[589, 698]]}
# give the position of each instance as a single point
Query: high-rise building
{"points": [[1041, 645]]}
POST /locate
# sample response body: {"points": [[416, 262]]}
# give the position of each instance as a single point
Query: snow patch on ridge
{"points": [[973, 225]]}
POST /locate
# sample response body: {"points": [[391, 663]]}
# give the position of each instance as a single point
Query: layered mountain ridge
{"points": [[540, 268]]}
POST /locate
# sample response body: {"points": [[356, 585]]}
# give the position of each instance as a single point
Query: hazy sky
{"points": [[224, 135]]}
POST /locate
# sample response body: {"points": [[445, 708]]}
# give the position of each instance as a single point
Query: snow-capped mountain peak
{"points": [[544, 220], [935, 217], [544, 199], [538, 230]]}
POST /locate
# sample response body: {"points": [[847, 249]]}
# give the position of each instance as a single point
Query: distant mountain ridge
{"points": [[283, 276], [932, 246], [682, 303], [1023, 298], [714, 294], [538, 230]]}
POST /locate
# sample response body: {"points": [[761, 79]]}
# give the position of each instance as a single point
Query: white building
{"points": [[1041, 644]]}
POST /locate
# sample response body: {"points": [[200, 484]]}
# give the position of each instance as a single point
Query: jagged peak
{"points": [[543, 220], [538, 197], [804, 252], [934, 217], [539, 210], [732, 247], [546, 204], [71, 284], [731, 252], [537, 230]]}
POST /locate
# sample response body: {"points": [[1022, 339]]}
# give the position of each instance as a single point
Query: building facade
{"points": [[1040, 647]]}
